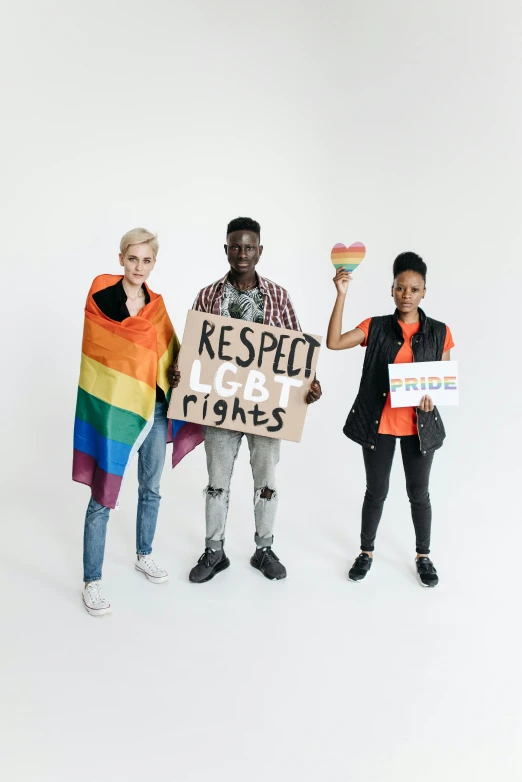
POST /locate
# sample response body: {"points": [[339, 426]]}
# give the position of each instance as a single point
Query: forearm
{"points": [[335, 326]]}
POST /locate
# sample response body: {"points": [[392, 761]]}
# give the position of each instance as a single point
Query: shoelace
{"points": [[206, 557], [96, 595], [268, 555], [149, 562]]}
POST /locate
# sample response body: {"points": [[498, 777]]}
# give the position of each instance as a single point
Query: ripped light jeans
{"points": [[222, 447]]}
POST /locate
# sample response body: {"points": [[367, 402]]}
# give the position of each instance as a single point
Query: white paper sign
{"points": [[410, 382]]}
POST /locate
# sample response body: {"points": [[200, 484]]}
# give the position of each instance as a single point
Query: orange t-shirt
{"points": [[401, 421]]}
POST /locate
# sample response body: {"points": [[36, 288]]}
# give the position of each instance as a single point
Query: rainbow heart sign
{"points": [[348, 257]]}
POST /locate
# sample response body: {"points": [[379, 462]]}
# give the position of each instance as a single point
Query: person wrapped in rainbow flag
{"points": [[129, 343]]}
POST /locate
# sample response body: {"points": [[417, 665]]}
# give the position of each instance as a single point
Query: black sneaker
{"points": [[427, 573], [360, 567], [266, 561], [209, 565]]}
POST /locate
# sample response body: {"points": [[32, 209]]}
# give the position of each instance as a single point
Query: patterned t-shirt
{"points": [[243, 305]]}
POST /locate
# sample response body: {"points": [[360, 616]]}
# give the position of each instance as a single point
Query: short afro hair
{"points": [[244, 224], [409, 262]]}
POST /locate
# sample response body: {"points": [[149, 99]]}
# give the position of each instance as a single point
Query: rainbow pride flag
{"points": [[121, 365]]}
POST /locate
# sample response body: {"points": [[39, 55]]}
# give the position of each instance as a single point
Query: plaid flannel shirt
{"points": [[278, 308]]}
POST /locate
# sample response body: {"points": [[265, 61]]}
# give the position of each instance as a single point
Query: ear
{"points": [[226, 248], [260, 250], [121, 259]]}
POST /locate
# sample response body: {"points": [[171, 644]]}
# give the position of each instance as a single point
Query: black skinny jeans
{"points": [[378, 464]]}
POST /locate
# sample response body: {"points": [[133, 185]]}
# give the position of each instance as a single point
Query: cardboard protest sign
{"points": [[410, 382], [244, 376]]}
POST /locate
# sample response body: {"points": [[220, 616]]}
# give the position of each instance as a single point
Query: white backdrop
{"points": [[395, 124]]}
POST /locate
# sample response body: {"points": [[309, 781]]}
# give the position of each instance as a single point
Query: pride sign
{"points": [[410, 382]]}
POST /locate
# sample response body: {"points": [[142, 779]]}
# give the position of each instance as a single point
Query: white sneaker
{"points": [[95, 601], [145, 564]]}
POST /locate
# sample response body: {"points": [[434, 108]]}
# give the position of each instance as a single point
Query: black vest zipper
{"points": [[417, 415]]}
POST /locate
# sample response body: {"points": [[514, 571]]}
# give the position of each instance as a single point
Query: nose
{"points": [[243, 255]]}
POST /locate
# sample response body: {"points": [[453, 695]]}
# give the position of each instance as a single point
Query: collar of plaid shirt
{"points": [[262, 284], [278, 308]]}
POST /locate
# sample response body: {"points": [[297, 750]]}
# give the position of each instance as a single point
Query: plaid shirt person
{"points": [[278, 308]]}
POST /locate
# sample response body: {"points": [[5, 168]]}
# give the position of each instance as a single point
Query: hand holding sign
{"points": [[173, 375], [426, 404], [315, 392], [342, 280], [345, 260]]}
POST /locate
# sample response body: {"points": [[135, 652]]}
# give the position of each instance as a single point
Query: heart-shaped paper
{"points": [[348, 257]]}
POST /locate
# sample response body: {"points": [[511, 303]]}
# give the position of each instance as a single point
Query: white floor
{"points": [[241, 678]]}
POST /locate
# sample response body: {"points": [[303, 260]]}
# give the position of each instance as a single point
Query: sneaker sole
{"points": [[152, 579], [96, 611], [221, 566], [428, 586], [275, 578], [356, 580]]}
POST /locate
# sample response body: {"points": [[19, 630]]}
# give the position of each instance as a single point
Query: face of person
{"points": [[243, 251], [408, 291], [138, 262]]}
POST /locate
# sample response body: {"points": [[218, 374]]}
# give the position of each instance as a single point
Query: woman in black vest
{"points": [[406, 336]]}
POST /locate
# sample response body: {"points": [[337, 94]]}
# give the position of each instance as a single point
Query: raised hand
{"points": [[342, 280]]}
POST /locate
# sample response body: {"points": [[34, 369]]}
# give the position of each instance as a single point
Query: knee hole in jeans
{"points": [[265, 494], [215, 493]]}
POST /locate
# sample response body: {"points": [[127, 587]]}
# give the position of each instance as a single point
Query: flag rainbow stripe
{"points": [[121, 365]]}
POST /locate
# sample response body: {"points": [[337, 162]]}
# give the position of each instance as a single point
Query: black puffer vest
{"points": [[385, 339]]}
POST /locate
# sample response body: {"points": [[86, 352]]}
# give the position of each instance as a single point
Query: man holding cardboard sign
{"points": [[252, 380]]}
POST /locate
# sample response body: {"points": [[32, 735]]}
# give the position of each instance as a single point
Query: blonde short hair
{"points": [[139, 236]]}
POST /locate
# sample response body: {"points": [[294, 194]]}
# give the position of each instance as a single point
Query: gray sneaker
{"points": [[209, 565], [268, 563]]}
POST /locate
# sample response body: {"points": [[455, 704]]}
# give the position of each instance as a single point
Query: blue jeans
{"points": [[151, 458]]}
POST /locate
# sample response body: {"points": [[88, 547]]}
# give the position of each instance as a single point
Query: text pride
{"points": [[432, 383]]}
